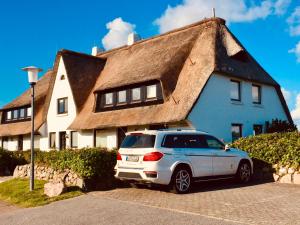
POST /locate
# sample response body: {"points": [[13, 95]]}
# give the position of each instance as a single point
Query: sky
{"points": [[32, 32]]}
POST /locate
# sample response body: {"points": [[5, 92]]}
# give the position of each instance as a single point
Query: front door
{"points": [[62, 140], [20, 143]]}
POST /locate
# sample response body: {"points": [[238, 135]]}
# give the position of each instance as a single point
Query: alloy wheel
{"points": [[183, 180]]}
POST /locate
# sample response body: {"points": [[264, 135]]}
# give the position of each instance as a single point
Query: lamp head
{"points": [[32, 74]]}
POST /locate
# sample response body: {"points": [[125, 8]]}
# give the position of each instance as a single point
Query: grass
{"points": [[16, 191]]}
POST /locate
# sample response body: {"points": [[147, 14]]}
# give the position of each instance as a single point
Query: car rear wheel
{"points": [[244, 172], [181, 180]]}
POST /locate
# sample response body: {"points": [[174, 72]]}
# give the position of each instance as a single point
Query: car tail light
{"points": [[119, 157], [153, 156]]}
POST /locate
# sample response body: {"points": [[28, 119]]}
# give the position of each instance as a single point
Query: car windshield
{"points": [[138, 141]]}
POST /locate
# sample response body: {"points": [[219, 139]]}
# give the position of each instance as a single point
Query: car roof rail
{"points": [[181, 129]]}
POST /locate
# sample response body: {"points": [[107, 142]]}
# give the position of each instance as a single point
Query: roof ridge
{"points": [[207, 20], [67, 51]]}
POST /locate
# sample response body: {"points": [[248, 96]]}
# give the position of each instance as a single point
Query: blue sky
{"points": [[33, 31]]}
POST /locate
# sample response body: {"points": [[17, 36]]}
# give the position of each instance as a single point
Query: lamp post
{"points": [[32, 79]]}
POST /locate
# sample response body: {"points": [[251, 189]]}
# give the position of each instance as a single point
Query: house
{"points": [[199, 76]]}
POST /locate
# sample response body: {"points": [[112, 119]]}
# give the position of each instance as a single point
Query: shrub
{"points": [[9, 160], [87, 163], [275, 148], [280, 126]]}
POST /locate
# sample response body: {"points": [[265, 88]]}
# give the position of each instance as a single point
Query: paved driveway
{"points": [[213, 203]]}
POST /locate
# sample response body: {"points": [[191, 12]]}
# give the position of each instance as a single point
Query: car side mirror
{"points": [[226, 148]]}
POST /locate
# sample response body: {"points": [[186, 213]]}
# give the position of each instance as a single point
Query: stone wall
{"points": [[68, 177], [288, 175]]}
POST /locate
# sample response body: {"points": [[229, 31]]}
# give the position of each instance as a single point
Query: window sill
{"points": [[257, 105], [236, 102], [62, 114]]}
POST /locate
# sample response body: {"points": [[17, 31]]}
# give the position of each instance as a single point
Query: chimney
{"points": [[96, 50], [132, 38]]}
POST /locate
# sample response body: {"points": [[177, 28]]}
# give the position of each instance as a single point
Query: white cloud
{"points": [[296, 112], [294, 22], [287, 95], [296, 51], [281, 6], [117, 34], [190, 11]]}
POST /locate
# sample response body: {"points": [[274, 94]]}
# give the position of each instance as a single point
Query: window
{"points": [[29, 112], [22, 113], [62, 105], [108, 98], [256, 94], [151, 91], [235, 90], [184, 141], [122, 96], [62, 77], [15, 114], [236, 131], [74, 139], [257, 129], [213, 142], [52, 140], [138, 141], [8, 115], [136, 94]]}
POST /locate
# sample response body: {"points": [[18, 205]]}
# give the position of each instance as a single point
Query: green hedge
{"points": [[88, 163], [276, 148], [8, 161]]}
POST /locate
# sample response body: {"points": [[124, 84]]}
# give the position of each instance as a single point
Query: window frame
{"points": [[258, 125], [259, 94], [131, 95], [240, 128], [118, 94], [71, 134], [50, 140], [239, 99], [112, 99], [65, 100], [146, 92]]}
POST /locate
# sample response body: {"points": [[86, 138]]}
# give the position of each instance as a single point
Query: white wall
{"points": [[55, 122], [86, 139], [214, 112]]}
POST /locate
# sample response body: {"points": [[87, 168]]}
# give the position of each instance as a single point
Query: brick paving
{"points": [[269, 203]]}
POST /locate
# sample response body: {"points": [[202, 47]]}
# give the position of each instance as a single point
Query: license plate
{"points": [[132, 158]]}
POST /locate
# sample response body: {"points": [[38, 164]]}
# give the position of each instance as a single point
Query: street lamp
{"points": [[32, 79]]}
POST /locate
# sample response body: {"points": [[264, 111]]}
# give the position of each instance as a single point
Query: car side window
{"points": [[184, 141], [214, 143]]}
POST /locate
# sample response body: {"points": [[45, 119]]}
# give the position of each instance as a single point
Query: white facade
{"points": [[215, 112]]}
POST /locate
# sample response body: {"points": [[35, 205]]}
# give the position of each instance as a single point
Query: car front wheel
{"points": [[244, 172], [181, 181]]}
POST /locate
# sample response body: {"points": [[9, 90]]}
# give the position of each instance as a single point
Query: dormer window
{"points": [[108, 98], [151, 91], [29, 112], [122, 97], [8, 115], [18, 114], [135, 95]]}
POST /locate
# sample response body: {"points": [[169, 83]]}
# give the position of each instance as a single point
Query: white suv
{"points": [[179, 157]]}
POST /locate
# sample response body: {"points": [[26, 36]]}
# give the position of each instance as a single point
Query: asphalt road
{"points": [[212, 203], [92, 210]]}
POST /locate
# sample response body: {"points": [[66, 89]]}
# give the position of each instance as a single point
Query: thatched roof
{"points": [[182, 60], [41, 103], [82, 70]]}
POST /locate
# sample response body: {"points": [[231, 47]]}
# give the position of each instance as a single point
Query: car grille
{"points": [[129, 175]]}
